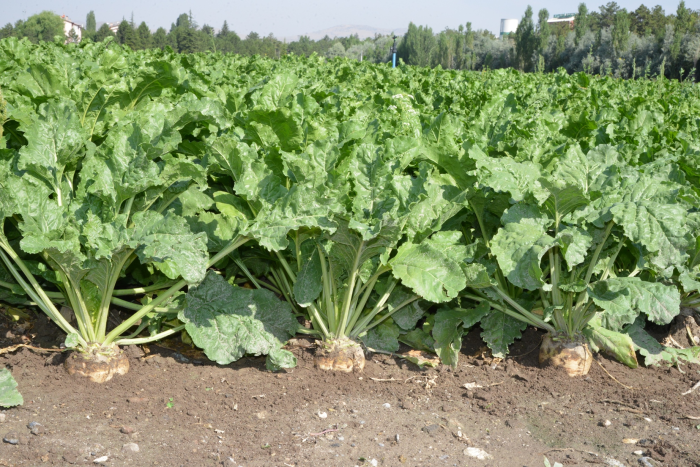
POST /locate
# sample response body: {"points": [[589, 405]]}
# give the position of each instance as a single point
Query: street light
{"points": [[393, 53]]}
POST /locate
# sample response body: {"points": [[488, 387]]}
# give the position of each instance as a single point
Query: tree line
{"points": [[186, 36], [611, 41]]}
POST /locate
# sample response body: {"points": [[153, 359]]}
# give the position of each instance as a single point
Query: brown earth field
{"points": [[175, 408]]}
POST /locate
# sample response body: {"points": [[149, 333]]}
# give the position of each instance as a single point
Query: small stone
{"points": [[604, 423], [613, 462], [36, 428], [430, 429], [373, 462], [335, 445], [397, 437], [638, 452], [191, 412], [137, 400], [261, 415], [127, 430], [407, 405], [322, 415], [180, 358], [11, 438], [630, 441], [101, 460], [71, 457], [3, 416], [646, 462], [477, 454], [386, 405], [130, 447]]}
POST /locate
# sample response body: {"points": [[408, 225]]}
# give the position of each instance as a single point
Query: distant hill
{"points": [[346, 30]]}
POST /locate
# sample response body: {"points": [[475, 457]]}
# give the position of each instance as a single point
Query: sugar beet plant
{"points": [[352, 226]]}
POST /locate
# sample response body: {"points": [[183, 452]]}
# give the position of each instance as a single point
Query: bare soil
{"points": [[182, 410]]}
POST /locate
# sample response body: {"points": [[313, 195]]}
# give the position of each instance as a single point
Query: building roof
{"points": [[68, 20]]}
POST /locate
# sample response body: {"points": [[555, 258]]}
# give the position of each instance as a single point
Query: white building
{"points": [[508, 27], [72, 30], [563, 18]]}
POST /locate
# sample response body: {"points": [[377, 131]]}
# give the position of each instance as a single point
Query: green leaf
{"points": [[56, 140], [229, 322], [383, 337], [520, 245], [507, 175], [9, 395], [72, 341], [418, 339], [499, 331], [574, 243], [309, 282], [655, 353], [615, 344], [167, 242], [449, 327], [430, 269], [623, 298], [660, 228]]}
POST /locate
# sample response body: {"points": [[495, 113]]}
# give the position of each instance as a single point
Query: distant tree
{"points": [[525, 41], [126, 35], [337, 50], [159, 39], [581, 23], [684, 19], [543, 29], [90, 23], [607, 15], [443, 55], [227, 41], [183, 21], [418, 46], [187, 41], [621, 30], [658, 22], [7, 31], [468, 36], [41, 27], [639, 21], [103, 33], [144, 36]]}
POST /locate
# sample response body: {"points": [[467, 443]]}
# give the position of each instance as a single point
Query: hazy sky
{"points": [[285, 18]]}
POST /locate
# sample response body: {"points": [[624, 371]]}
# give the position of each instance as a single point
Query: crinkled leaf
{"points": [[623, 298], [499, 331], [615, 344], [655, 353], [520, 245], [309, 282], [418, 339], [430, 269], [450, 325], [167, 242], [229, 322], [383, 337], [9, 395]]}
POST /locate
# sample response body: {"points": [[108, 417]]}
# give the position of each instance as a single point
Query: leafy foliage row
{"points": [[350, 195]]}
